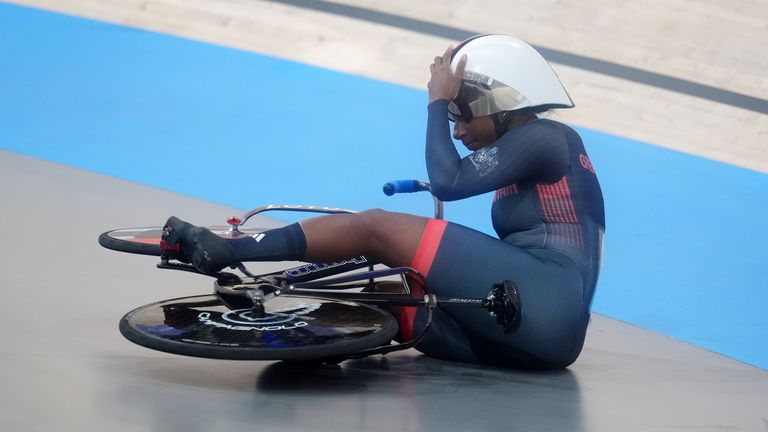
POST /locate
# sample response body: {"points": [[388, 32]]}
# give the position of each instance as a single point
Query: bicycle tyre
{"points": [[295, 329]]}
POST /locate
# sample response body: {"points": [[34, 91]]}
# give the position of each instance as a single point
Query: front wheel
{"points": [[146, 241]]}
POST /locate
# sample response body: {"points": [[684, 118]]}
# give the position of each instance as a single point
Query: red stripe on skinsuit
{"points": [[569, 201], [543, 199], [554, 203], [422, 262], [564, 201], [559, 202], [573, 218], [562, 209], [430, 240]]}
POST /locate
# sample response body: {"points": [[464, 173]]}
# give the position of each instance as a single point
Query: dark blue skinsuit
{"points": [[549, 216]]}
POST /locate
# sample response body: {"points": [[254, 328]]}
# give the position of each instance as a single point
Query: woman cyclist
{"points": [[547, 211]]}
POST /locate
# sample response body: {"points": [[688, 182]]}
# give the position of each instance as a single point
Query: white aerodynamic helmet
{"points": [[504, 74]]}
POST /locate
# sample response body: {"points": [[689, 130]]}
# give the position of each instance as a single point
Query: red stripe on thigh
{"points": [[422, 262], [430, 241]]}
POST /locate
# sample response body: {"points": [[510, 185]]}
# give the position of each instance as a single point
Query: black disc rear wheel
{"points": [[294, 328]]}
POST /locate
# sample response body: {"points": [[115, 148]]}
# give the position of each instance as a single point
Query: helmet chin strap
{"points": [[501, 121]]}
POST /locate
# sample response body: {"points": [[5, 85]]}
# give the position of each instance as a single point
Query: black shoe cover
{"points": [[187, 243]]}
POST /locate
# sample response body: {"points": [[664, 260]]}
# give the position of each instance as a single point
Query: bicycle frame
{"points": [[339, 281]]}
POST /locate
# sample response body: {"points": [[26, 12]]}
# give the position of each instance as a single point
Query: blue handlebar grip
{"points": [[401, 186]]}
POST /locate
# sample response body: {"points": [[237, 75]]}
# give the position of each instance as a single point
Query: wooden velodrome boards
{"points": [[706, 46]]}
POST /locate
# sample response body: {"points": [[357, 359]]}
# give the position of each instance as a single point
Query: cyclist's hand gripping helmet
{"points": [[504, 74]]}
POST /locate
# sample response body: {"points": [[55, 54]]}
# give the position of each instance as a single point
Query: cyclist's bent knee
{"points": [[374, 215], [391, 237], [377, 223]]}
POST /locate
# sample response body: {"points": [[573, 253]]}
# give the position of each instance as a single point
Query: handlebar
{"points": [[410, 186], [390, 188], [404, 186]]}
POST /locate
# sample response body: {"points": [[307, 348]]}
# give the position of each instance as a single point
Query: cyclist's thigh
{"points": [[467, 263]]}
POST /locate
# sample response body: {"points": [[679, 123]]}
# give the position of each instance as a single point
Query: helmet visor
{"points": [[480, 95]]}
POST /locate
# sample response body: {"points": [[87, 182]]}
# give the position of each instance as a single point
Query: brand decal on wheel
{"points": [[246, 319]]}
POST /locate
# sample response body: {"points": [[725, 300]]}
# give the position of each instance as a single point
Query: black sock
{"points": [[281, 244]]}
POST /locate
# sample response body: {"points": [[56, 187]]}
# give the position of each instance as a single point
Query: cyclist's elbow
{"points": [[443, 191]]}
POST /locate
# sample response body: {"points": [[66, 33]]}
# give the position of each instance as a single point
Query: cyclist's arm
{"points": [[537, 151]]}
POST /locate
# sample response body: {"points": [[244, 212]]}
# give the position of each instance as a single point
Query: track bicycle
{"points": [[313, 312]]}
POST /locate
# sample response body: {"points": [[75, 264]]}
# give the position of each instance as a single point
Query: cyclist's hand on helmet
{"points": [[187, 243], [443, 82]]}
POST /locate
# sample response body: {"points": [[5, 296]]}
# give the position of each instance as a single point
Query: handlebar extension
{"points": [[409, 186], [404, 186]]}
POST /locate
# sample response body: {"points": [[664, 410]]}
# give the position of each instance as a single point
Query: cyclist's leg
{"points": [[466, 263], [387, 237]]}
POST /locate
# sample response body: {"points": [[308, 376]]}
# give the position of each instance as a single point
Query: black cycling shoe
{"points": [[188, 243]]}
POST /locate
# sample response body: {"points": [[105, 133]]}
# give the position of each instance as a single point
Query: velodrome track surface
{"points": [[91, 108], [65, 367]]}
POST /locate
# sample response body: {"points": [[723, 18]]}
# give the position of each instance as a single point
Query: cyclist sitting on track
{"points": [[547, 211]]}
